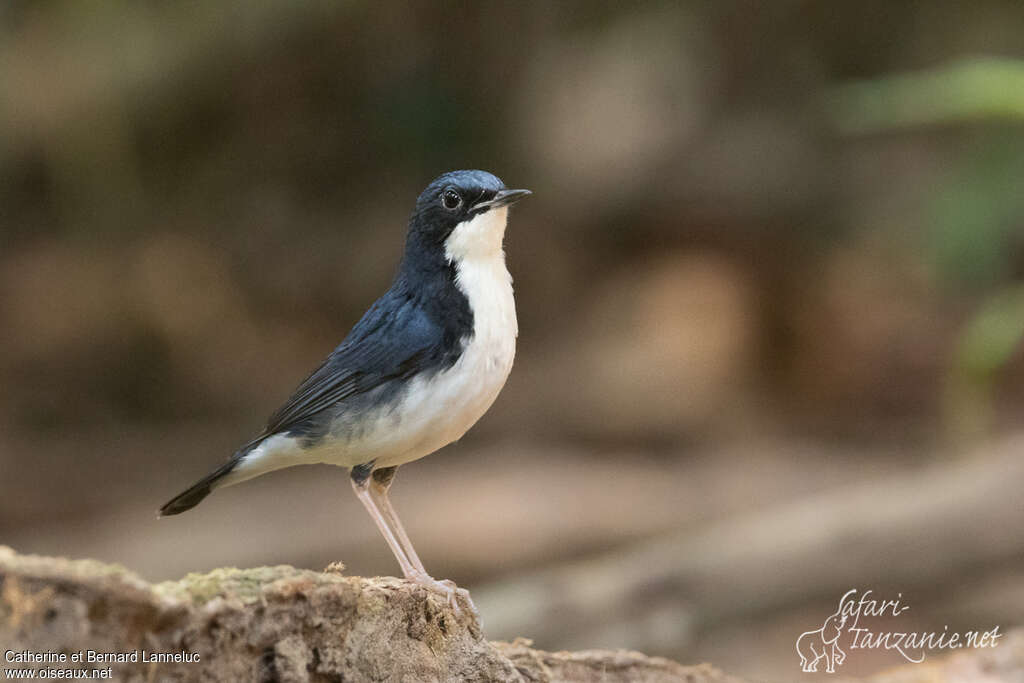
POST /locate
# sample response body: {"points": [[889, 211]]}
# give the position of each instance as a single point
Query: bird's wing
{"points": [[393, 340]]}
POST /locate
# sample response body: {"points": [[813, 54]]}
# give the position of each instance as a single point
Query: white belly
{"points": [[438, 410]]}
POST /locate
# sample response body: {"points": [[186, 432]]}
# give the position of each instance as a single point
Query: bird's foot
{"points": [[449, 590]]}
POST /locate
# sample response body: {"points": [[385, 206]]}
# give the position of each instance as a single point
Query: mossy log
{"points": [[277, 624]]}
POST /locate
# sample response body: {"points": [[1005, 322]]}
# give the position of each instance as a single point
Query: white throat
{"points": [[478, 238], [475, 248]]}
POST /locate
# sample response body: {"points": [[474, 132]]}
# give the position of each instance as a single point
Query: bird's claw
{"points": [[454, 593], [450, 591]]}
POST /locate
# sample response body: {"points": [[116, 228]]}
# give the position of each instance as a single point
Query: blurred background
{"points": [[770, 288]]}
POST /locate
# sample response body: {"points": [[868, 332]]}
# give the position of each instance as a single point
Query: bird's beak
{"points": [[502, 198]]}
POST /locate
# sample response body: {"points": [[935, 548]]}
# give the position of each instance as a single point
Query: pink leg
{"points": [[363, 494], [379, 486], [372, 493]]}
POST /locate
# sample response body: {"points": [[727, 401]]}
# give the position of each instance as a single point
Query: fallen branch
{"points": [[911, 530]]}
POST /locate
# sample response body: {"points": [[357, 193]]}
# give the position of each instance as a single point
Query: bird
{"points": [[420, 367]]}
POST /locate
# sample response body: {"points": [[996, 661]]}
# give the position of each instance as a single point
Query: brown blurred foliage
{"points": [[188, 190]]}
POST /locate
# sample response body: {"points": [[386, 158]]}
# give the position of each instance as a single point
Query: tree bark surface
{"points": [[277, 624]]}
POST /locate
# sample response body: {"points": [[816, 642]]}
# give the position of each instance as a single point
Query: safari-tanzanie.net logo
{"points": [[842, 633]]}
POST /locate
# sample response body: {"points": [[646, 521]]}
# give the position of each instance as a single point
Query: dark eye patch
{"points": [[451, 199]]}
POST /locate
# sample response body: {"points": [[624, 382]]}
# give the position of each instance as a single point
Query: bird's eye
{"points": [[451, 199]]}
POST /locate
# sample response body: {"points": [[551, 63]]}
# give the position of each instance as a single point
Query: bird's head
{"points": [[462, 214]]}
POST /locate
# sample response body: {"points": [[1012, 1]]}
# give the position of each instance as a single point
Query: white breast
{"points": [[440, 409]]}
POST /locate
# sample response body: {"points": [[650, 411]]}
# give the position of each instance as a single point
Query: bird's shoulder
{"points": [[398, 337]]}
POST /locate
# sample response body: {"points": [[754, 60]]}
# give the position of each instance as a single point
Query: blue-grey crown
{"points": [[464, 180]]}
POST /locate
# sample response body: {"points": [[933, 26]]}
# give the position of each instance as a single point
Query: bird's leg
{"points": [[375, 490], [380, 482], [360, 484]]}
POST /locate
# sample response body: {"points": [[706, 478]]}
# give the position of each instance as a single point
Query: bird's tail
{"points": [[193, 495]]}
